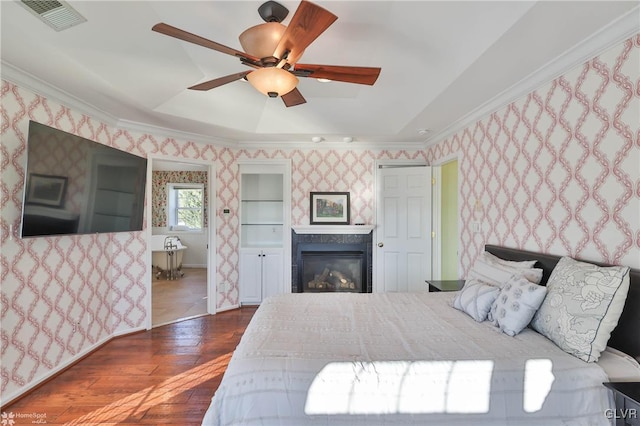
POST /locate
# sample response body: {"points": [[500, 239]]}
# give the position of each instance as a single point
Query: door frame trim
{"points": [[212, 254], [375, 286]]}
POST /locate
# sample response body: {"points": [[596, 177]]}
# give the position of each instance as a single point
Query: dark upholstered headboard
{"points": [[626, 336]]}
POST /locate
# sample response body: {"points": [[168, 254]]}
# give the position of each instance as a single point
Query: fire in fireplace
{"points": [[332, 266], [332, 271]]}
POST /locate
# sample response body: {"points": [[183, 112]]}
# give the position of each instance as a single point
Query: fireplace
{"points": [[329, 267], [331, 263]]}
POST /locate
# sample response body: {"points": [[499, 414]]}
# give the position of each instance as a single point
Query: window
{"points": [[185, 206]]}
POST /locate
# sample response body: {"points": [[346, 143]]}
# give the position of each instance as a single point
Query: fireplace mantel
{"points": [[332, 229]]}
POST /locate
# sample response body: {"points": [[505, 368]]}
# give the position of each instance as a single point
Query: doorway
{"points": [[182, 283], [403, 226], [449, 222], [445, 219]]}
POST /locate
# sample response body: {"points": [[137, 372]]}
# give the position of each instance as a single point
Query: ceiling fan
{"points": [[273, 50]]}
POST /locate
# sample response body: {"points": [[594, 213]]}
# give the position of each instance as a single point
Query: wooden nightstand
{"points": [[627, 395], [445, 285]]}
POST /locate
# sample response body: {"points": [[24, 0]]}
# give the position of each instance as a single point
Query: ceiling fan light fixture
{"points": [[273, 50], [261, 40], [272, 81], [272, 11]]}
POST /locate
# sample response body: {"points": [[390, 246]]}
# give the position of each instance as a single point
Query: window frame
{"points": [[173, 207]]}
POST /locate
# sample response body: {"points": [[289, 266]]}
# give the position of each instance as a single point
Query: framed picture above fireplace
{"points": [[330, 208]]}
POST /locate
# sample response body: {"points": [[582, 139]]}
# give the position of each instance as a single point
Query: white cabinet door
{"points": [[261, 274], [272, 273], [250, 281]]}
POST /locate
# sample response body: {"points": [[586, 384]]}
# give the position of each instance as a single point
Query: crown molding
{"points": [[174, 134], [36, 85], [333, 145], [617, 31]]}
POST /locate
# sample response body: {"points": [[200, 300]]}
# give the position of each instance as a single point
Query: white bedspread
{"points": [[398, 358]]}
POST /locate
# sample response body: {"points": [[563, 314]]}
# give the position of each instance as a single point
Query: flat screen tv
{"points": [[77, 186]]}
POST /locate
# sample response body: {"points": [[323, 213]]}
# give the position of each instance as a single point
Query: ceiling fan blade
{"points": [[359, 75], [309, 21], [212, 84], [167, 29], [293, 98]]}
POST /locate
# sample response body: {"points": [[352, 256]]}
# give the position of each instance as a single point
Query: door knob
{"points": [[380, 244]]}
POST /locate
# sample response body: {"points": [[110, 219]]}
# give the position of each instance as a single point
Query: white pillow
{"points": [[476, 298], [516, 264], [517, 303], [491, 272], [583, 305]]}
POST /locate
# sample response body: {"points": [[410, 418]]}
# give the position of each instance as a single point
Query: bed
{"points": [[410, 358]]}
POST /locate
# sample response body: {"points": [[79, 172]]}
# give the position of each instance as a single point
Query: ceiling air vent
{"points": [[57, 14]]}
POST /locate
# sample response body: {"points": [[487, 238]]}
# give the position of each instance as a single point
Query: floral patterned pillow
{"points": [[516, 304], [582, 307]]}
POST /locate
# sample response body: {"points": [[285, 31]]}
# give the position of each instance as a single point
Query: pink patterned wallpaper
{"points": [[332, 170], [50, 284], [555, 171], [160, 179], [312, 170], [99, 280]]}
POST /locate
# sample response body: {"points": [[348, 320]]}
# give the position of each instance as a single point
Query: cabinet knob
{"points": [[380, 244]]}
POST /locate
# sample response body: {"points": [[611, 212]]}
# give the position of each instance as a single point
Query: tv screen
{"points": [[77, 186]]}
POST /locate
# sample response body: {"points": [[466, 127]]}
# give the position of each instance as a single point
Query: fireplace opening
{"points": [[331, 271], [331, 262]]}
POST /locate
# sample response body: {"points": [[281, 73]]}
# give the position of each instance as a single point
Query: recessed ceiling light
{"points": [[347, 139], [424, 131], [317, 139], [323, 80]]}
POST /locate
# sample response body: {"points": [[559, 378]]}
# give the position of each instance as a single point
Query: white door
{"points": [[403, 252]]}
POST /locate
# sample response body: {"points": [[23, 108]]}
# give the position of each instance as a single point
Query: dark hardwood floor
{"points": [[163, 376]]}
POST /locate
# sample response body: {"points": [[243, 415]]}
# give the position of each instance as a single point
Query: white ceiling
{"points": [[440, 60]]}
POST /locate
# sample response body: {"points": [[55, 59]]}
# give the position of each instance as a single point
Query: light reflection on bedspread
{"points": [[398, 358]]}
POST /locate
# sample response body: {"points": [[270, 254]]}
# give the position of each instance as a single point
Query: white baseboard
{"points": [[40, 379]]}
